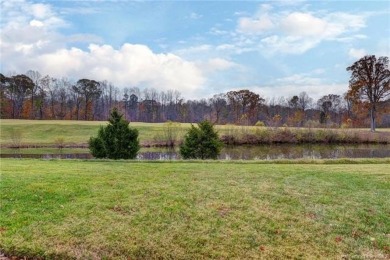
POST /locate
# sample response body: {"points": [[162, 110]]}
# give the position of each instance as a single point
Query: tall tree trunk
{"points": [[86, 108], [13, 108], [52, 109], [32, 114], [41, 112], [372, 118], [77, 109]]}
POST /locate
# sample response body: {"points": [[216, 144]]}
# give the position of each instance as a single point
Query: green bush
{"points": [[260, 124], [116, 140], [201, 142]]}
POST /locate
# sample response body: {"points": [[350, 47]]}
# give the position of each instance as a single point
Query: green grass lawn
{"points": [[194, 210], [46, 132]]}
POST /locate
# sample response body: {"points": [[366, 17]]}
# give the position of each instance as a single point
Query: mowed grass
{"points": [[194, 210], [46, 132], [74, 133]]}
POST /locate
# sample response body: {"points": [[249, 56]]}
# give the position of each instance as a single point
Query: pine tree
{"points": [[116, 140], [201, 142]]}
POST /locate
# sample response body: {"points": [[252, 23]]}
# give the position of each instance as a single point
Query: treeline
{"points": [[33, 96]]}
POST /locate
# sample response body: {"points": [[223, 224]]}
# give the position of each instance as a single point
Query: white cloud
{"points": [[41, 11], [18, 13], [289, 44], [310, 82], [224, 47], [30, 40], [36, 23], [195, 16], [290, 2], [299, 79], [131, 65], [297, 32], [216, 64], [314, 91], [219, 32], [303, 24], [258, 25], [356, 53], [194, 51]]}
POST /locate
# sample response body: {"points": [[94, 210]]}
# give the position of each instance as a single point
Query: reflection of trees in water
{"points": [[49, 156], [272, 152], [260, 152], [159, 154]]}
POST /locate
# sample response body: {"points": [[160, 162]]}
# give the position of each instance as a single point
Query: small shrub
{"points": [[263, 135], [171, 133], [283, 136], [60, 142], [201, 142], [228, 139], [347, 123], [116, 140], [260, 124], [308, 137], [250, 139], [16, 136], [312, 124], [332, 137], [275, 121], [232, 133], [319, 135], [327, 136]]}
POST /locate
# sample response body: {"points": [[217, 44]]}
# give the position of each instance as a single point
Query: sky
{"points": [[200, 48]]}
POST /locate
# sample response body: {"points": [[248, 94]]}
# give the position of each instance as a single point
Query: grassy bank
{"points": [[290, 135], [47, 132], [54, 133], [194, 210]]}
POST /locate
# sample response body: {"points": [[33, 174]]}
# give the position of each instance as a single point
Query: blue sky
{"points": [[201, 48]]}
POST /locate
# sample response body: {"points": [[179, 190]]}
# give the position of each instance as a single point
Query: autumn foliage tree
{"points": [[370, 83], [17, 88], [90, 90], [244, 103]]}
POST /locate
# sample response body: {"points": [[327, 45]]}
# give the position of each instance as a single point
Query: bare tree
{"points": [[35, 76], [370, 82], [219, 106], [304, 101], [330, 105]]}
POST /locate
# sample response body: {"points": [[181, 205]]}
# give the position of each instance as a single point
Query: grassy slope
{"points": [[45, 132], [194, 210], [73, 132]]}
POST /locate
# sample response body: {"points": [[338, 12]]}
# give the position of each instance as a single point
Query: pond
{"points": [[259, 152]]}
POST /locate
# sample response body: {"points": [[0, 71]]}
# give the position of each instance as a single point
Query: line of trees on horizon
{"points": [[33, 96]]}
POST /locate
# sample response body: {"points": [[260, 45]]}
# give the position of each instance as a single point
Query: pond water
{"points": [[259, 152]]}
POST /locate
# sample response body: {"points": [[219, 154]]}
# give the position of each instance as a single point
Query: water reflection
{"points": [[273, 152], [260, 152], [160, 154]]}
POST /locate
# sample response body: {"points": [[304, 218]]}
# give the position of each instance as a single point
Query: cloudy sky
{"points": [[201, 48]]}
